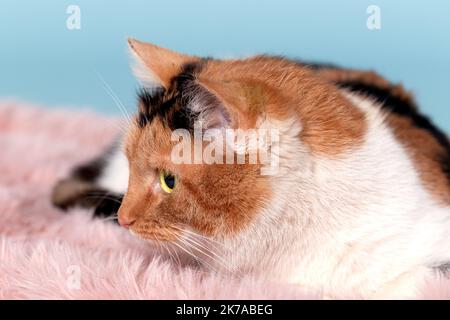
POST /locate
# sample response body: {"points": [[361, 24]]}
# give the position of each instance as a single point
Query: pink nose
{"points": [[126, 222]]}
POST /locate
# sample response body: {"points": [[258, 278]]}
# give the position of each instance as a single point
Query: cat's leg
{"points": [[99, 184]]}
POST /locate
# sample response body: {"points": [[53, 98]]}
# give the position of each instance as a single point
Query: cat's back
{"points": [[426, 145]]}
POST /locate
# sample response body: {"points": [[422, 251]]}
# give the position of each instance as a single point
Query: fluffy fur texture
{"points": [[39, 243], [360, 203]]}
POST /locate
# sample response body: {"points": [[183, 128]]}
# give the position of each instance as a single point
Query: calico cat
{"points": [[359, 205]]}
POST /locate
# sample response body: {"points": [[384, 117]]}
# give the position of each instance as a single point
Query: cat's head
{"points": [[184, 93]]}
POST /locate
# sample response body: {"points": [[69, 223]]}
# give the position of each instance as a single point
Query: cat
{"points": [[359, 205]]}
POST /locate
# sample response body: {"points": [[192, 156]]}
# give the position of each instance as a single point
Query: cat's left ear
{"points": [[156, 66]]}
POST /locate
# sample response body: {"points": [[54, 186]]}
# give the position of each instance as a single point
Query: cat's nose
{"points": [[126, 222]]}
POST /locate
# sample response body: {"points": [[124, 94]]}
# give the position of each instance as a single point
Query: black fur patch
{"points": [[172, 105], [89, 171], [407, 109], [318, 66], [108, 204], [397, 105], [104, 202], [392, 103], [444, 269], [401, 107], [445, 165], [149, 105]]}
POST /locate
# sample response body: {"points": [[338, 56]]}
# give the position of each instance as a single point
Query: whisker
{"points": [[209, 240], [215, 257], [203, 260], [101, 198], [176, 254], [118, 125], [188, 238], [102, 192], [108, 218], [195, 247], [166, 249], [198, 259], [114, 97], [161, 247]]}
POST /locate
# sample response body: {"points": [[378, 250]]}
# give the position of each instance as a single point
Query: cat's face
{"points": [[164, 197]]}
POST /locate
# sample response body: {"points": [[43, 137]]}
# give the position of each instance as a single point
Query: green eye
{"points": [[166, 181]]}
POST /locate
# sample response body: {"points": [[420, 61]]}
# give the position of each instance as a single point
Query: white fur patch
{"points": [[115, 174], [145, 76]]}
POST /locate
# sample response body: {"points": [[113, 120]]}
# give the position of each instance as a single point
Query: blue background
{"points": [[42, 61]]}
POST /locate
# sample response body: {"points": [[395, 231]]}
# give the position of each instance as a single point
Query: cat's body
{"points": [[360, 203]]}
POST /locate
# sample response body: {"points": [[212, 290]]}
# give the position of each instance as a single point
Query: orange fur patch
{"points": [[281, 89], [337, 76], [211, 199]]}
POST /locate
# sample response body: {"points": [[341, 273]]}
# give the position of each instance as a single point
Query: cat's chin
{"points": [[150, 237], [141, 236]]}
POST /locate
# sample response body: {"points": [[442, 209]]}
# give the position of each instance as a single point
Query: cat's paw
{"points": [[71, 192]]}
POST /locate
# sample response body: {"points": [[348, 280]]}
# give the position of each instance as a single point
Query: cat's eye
{"points": [[167, 181]]}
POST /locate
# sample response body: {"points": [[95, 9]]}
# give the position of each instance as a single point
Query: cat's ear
{"points": [[238, 102], [155, 66]]}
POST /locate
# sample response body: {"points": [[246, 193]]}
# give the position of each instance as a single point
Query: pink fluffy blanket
{"points": [[48, 254]]}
